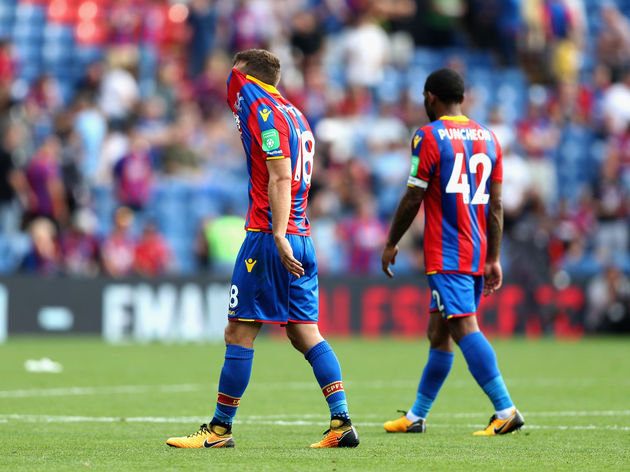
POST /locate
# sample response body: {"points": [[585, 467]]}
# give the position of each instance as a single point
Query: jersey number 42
{"points": [[458, 182]]}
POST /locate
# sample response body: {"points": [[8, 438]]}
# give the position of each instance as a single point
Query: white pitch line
{"points": [[107, 390], [249, 421], [306, 385], [541, 413], [461, 415]]}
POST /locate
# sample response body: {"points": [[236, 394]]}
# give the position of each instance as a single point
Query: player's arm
{"points": [[279, 192], [423, 157], [493, 275], [405, 213]]}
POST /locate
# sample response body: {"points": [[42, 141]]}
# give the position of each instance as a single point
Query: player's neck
{"points": [[451, 110]]}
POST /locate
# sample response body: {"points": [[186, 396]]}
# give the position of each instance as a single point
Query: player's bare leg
{"points": [[482, 363], [307, 339], [242, 333], [239, 355], [435, 372], [304, 336], [438, 333], [460, 327]]}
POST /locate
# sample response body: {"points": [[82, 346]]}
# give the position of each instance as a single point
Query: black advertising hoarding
{"points": [[125, 310], [194, 309]]}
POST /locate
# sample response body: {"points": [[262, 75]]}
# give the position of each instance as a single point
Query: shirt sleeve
{"points": [[497, 170], [273, 135], [424, 159]]}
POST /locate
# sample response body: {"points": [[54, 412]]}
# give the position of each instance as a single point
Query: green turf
{"points": [[546, 378]]}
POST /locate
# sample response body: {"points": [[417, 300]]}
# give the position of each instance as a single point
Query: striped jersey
{"points": [[455, 159], [271, 128]]}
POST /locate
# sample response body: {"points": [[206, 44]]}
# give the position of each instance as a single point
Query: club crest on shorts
{"points": [[250, 263]]}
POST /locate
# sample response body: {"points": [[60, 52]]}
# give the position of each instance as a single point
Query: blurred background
{"points": [[121, 168]]}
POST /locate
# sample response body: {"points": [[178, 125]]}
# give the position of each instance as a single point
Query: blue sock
{"points": [[482, 363], [328, 374], [235, 374], [435, 372]]}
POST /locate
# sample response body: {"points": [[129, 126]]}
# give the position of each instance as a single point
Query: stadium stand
{"points": [[128, 73]]}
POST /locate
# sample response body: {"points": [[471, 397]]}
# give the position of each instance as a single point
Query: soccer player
{"points": [[275, 275], [456, 169]]}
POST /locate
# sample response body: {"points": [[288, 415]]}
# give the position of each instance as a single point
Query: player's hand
{"points": [[286, 256], [492, 277], [389, 257]]}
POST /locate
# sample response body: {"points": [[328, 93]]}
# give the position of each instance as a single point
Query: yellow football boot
{"points": [[496, 426], [403, 425], [207, 436], [340, 434]]}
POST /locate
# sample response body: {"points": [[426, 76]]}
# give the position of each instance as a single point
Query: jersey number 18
{"points": [[304, 165]]}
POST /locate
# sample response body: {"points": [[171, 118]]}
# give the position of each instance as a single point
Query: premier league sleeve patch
{"points": [[417, 149], [271, 142]]}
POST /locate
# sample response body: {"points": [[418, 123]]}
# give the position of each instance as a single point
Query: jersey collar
{"points": [[267, 87], [459, 118]]}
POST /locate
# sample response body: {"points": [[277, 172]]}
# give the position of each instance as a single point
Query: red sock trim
{"points": [[227, 400], [329, 389]]}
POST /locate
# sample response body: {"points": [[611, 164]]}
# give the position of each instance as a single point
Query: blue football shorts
{"points": [[262, 288], [455, 294]]}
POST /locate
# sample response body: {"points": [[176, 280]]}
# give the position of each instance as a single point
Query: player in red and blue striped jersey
{"points": [[275, 274], [457, 172], [466, 158], [271, 128]]}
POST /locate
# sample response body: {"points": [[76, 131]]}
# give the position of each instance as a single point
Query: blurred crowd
{"points": [[118, 154]]}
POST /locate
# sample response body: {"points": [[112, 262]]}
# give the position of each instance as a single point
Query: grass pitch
{"points": [[112, 408]]}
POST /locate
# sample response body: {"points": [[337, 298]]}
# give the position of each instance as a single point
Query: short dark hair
{"points": [[447, 85], [261, 64]]}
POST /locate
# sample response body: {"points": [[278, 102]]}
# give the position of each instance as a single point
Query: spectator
{"points": [[219, 241], [80, 247], [44, 257], [46, 192], [178, 155], [209, 87], [91, 129], [578, 261], [119, 91], [152, 256], [608, 301], [365, 49], [89, 85], [133, 175], [364, 235], [73, 181], [115, 146], [539, 137], [13, 184], [252, 24], [307, 37], [517, 178], [324, 206], [613, 41], [612, 210], [616, 105], [118, 249], [203, 22], [169, 87], [6, 73], [6, 63], [152, 32]]}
